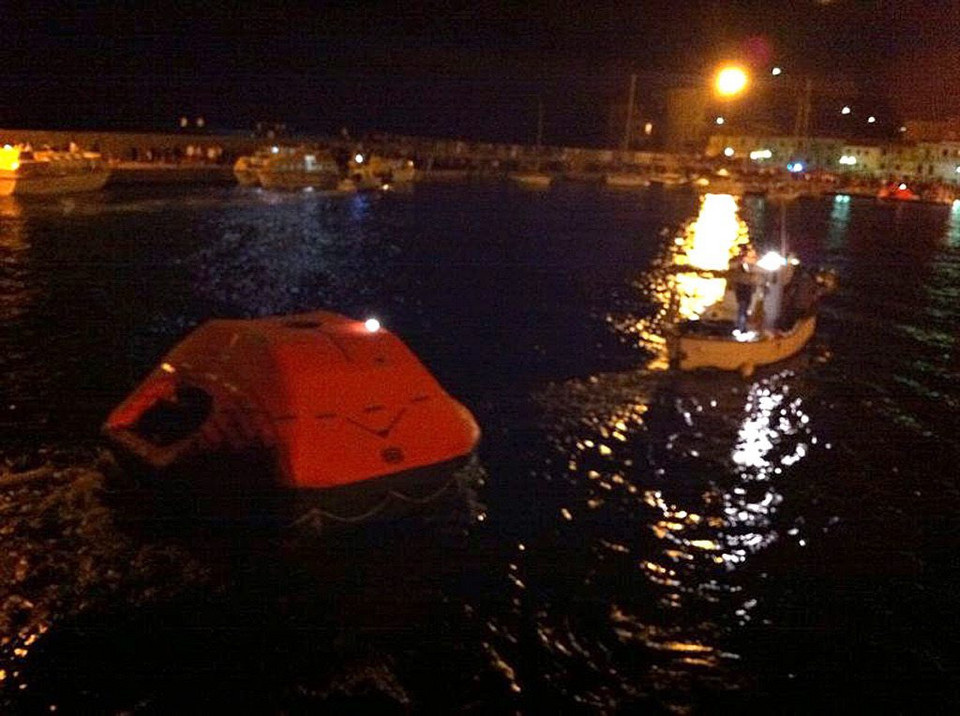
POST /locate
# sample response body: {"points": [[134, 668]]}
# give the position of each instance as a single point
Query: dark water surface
{"points": [[645, 542]]}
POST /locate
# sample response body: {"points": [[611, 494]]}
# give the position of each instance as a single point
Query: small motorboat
{"points": [[897, 191], [783, 320], [313, 405], [720, 345]]}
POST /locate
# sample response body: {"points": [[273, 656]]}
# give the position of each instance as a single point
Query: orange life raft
{"points": [[335, 402]]}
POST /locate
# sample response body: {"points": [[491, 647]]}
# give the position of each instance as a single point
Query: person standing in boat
{"points": [[742, 277]]}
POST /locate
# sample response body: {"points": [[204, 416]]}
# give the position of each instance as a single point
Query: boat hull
{"points": [[693, 352], [626, 181], [532, 180], [14, 184], [298, 180]]}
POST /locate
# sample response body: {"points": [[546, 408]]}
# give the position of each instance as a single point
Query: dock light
{"points": [[372, 325], [871, 119], [758, 154], [728, 152], [358, 158], [731, 81], [771, 261], [775, 71], [845, 110], [719, 120]]}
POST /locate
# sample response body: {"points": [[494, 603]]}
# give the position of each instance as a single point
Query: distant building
{"points": [[862, 159], [686, 119], [921, 161], [939, 130], [761, 151]]}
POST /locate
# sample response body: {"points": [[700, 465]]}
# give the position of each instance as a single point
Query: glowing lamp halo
{"points": [[730, 81]]}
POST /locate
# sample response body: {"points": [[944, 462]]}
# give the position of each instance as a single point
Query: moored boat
{"points": [[897, 191], [375, 172], [783, 318], [669, 179], [340, 414], [533, 179], [783, 193], [24, 171], [625, 180], [245, 169], [311, 169]]}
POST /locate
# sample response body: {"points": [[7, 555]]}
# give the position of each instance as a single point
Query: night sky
{"points": [[470, 69]]}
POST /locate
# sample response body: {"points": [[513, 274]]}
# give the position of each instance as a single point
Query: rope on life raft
{"points": [[16, 479], [315, 516]]}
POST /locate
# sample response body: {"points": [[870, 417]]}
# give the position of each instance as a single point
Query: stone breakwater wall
{"points": [[428, 153], [141, 146]]}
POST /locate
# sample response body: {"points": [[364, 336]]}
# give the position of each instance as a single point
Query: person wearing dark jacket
{"points": [[742, 276]]}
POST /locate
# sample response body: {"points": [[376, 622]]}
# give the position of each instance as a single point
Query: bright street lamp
{"points": [[730, 81]]}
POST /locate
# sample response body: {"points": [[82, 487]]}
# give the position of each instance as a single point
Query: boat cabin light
{"points": [[372, 325], [10, 158], [771, 261]]}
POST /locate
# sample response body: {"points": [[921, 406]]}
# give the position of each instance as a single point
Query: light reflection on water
{"points": [[953, 226], [683, 280], [676, 481], [631, 515], [680, 485]]}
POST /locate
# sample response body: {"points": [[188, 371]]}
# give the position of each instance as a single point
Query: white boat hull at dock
{"points": [[532, 179], [693, 352], [25, 172], [47, 185]]}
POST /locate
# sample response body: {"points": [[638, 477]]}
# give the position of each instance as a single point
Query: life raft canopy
{"points": [[337, 401]]}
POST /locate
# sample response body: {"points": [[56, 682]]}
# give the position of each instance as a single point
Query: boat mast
{"points": [[539, 130], [629, 125], [783, 229]]}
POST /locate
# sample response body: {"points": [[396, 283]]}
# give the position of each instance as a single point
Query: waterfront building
{"points": [[862, 159], [686, 118], [754, 152], [923, 161]]}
